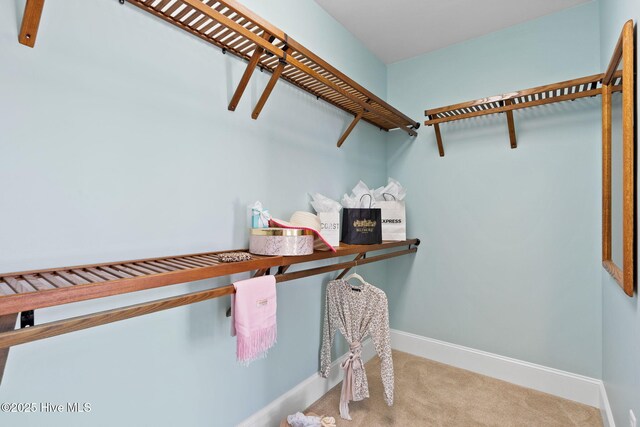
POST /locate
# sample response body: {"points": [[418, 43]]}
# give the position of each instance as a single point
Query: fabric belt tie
{"points": [[351, 362]]}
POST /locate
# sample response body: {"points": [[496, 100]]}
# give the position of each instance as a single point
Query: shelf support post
{"points": [[512, 128], [7, 323], [436, 128], [30, 22], [270, 85], [283, 269], [350, 128], [251, 66]]}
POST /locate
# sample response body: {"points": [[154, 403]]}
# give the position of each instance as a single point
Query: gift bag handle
{"points": [[388, 194], [370, 199]]}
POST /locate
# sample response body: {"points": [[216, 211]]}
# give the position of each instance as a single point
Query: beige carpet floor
{"points": [[428, 393]]}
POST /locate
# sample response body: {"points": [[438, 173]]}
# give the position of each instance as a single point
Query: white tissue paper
{"points": [[329, 213], [361, 197], [324, 204], [392, 191]]}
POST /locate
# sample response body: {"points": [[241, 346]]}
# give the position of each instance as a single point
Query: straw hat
{"points": [[308, 221]]}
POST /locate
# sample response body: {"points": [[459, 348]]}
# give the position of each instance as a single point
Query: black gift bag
{"points": [[361, 226]]}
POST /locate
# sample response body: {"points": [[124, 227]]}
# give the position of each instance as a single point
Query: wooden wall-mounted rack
{"points": [[557, 92], [236, 30], [26, 291], [624, 78]]}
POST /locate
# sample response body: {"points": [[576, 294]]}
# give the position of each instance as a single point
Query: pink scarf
{"points": [[351, 363], [253, 311]]}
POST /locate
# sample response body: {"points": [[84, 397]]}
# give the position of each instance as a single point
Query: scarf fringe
{"points": [[344, 411], [255, 346]]}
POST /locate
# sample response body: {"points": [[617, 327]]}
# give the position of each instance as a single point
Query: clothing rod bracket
{"points": [[27, 318]]}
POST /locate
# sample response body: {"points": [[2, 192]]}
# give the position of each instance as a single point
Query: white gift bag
{"points": [[330, 227], [394, 219]]}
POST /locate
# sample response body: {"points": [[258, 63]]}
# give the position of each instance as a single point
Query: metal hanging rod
{"points": [[22, 292]]}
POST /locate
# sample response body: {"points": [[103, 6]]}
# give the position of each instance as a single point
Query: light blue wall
{"points": [[510, 261], [117, 144], [620, 314]]}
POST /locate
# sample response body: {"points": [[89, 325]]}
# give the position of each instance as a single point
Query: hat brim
{"points": [[274, 222]]}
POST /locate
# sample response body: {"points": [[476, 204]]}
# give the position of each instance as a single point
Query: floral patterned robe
{"points": [[357, 312]]}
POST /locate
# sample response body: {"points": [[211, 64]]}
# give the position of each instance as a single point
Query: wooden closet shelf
{"points": [[236, 30], [29, 290], [45, 288], [506, 103]]}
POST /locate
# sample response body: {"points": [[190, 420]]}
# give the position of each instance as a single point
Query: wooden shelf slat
{"points": [[5, 289], [38, 284], [20, 287], [72, 278], [29, 290], [56, 280]]}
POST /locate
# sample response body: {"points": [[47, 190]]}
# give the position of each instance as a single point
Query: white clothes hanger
{"points": [[355, 275]]}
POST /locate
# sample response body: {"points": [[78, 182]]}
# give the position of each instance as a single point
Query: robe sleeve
{"points": [[379, 332], [329, 329]]}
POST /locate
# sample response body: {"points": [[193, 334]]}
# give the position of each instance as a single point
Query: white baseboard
{"points": [[304, 394], [579, 388], [605, 408]]}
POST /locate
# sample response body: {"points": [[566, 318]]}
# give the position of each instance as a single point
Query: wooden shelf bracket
{"points": [[251, 66], [436, 129], [30, 22], [7, 324], [353, 124], [270, 85], [511, 125], [355, 264]]}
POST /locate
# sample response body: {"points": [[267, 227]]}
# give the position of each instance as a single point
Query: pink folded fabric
{"points": [[319, 244], [254, 317]]}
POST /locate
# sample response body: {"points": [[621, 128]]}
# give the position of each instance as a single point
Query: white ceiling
{"points": [[400, 29]]}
